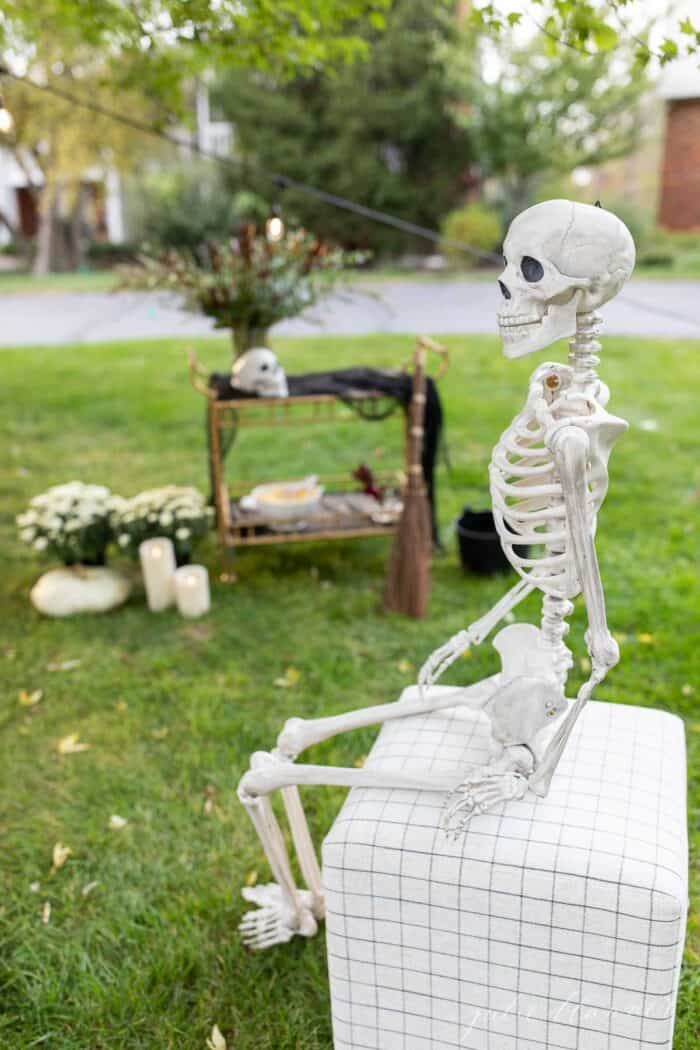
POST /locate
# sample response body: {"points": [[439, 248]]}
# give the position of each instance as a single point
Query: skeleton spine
{"points": [[584, 349]]}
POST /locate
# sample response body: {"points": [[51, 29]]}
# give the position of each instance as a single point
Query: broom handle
{"points": [[416, 418]]}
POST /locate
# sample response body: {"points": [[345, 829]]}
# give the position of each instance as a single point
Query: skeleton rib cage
{"points": [[526, 492]]}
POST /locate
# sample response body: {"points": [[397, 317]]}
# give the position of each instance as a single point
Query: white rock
{"points": [[67, 591]]}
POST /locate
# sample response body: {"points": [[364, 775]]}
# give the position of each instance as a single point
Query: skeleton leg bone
{"points": [[283, 910]]}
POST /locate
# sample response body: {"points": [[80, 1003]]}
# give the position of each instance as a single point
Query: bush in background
{"points": [[477, 225], [187, 206]]}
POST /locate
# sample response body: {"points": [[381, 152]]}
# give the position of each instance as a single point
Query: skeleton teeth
{"points": [[517, 320]]}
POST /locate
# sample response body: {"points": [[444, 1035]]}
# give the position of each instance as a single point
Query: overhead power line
{"points": [[276, 178]]}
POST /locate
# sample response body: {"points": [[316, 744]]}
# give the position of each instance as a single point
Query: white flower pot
{"points": [[79, 589]]}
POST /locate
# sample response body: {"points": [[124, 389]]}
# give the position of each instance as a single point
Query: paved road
{"points": [[646, 308]]}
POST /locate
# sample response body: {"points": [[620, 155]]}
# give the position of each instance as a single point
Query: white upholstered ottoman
{"points": [[557, 923]]}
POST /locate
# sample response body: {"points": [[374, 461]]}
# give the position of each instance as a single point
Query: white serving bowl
{"points": [[287, 500]]}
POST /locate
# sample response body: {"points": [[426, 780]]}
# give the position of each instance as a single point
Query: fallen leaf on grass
{"points": [[291, 677], [687, 689], [46, 913], [251, 878], [404, 666], [89, 888], [209, 793], [645, 639], [585, 664], [116, 823], [60, 855], [161, 733], [694, 727], [71, 745], [359, 762], [27, 699], [64, 665], [34, 887], [122, 706], [216, 1040]]}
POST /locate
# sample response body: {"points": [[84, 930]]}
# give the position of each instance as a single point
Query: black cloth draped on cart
{"points": [[343, 383]]}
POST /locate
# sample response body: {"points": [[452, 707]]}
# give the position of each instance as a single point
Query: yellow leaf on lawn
{"points": [[216, 1040], [466, 654], [71, 745], [160, 734], [46, 913], [694, 727], [359, 762], [122, 706], [116, 823], [251, 878], [27, 699], [645, 639], [60, 855], [404, 666], [585, 664], [687, 689], [291, 677]]}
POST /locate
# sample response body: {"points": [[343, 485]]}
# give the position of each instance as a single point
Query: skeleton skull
{"points": [[259, 372], [562, 258]]}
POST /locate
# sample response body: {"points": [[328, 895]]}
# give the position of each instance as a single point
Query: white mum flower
{"points": [[41, 543], [166, 518], [27, 535], [182, 533], [123, 540]]}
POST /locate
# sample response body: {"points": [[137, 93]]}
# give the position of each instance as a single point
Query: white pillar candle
{"points": [[192, 590], [157, 558]]}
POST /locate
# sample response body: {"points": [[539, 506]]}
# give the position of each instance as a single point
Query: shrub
{"points": [[179, 513], [70, 521], [477, 225]]}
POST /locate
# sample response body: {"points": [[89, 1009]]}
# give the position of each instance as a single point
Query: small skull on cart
{"points": [[258, 371]]}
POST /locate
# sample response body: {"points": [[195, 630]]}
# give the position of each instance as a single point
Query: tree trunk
{"points": [[46, 236], [245, 338]]}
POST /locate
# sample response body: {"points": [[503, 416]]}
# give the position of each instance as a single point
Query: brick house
{"points": [[679, 197]]}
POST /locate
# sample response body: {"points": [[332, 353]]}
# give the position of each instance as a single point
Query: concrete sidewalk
{"points": [[663, 309]]}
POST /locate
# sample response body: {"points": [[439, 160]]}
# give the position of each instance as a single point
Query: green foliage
{"points": [[176, 511], [181, 207], [476, 224], [246, 281], [381, 132], [149, 959], [594, 27], [157, 47], [546, 114], [671, 252]]}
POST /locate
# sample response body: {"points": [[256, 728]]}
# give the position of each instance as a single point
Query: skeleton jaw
{"points": [[526, 332]]}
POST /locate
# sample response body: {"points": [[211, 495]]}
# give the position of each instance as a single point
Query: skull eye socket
{"points": [[264, 368], [531, 269]]}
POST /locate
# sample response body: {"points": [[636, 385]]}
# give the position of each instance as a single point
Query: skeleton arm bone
{"points": [[570, 448], [442, 658]]}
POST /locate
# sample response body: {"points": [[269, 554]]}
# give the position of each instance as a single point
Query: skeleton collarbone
{"points": [[526, 491]]}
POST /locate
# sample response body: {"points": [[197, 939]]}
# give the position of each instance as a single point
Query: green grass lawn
{"points": [[171, 710]]}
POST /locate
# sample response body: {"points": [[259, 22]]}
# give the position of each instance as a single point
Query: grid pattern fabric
{"points": [[552, 924]]}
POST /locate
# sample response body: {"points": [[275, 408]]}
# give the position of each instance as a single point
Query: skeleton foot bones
{"points": [[549, 477]]}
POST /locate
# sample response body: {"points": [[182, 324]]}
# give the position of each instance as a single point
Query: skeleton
{"points": [[258, 371], [548, 479]]}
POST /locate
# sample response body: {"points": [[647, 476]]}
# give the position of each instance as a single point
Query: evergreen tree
{"points": [[381, 131]]}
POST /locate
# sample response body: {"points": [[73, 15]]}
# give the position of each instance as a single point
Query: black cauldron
{"points": [[480, 548]]}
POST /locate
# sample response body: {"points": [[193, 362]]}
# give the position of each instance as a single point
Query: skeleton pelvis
{"points": [[528, 698]]}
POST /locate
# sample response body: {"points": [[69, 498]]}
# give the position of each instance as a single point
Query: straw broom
{"points": [[408, 574]]}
